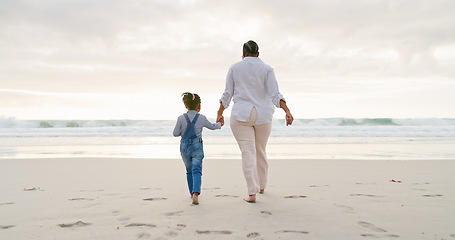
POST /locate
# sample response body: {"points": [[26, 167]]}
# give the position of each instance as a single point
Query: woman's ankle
{"points": [[251, 198]]}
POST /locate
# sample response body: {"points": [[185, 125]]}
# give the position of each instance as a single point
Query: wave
{"points": [[163, 129], [375, 122], [14, 123]]}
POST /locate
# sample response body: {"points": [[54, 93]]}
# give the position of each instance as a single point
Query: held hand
{"points": [[219, 114], [220, 119], [289, 118]]}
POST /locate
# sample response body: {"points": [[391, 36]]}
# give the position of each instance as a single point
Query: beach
{"points": [[131, 198]]}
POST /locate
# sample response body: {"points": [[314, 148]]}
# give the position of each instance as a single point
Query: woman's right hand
{"points": [[219, 114], [220, 119]]}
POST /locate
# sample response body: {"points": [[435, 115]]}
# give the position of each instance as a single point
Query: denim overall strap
{"points": [[190, 129]]}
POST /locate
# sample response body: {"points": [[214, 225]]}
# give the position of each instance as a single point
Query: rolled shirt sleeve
{"points": [[229, 90], [272, 88]]}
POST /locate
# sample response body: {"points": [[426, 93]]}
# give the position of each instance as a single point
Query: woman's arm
{"points": [[226, 97], [289, 117]]}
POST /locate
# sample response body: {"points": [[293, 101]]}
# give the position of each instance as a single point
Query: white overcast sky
{"points": [[131, 59]]}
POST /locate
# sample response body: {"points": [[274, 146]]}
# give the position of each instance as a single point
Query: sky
{"points": [[132, 59]]}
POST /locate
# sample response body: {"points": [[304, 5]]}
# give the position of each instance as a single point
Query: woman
{"points": [[253, 87]]}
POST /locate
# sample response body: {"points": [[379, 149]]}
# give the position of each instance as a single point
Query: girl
{"points": [[189, 127]]}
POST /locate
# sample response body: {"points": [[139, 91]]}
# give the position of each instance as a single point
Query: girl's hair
{"points": [[251, 47], [191, 100]]}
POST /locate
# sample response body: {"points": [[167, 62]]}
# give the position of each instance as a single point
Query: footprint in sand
{"points": [[140, 225], [371, 227], [452, 235], [81, 199], [143, 235], [225, 232], [172, 233], [253, 235], [7, 203], [178, 213], [97, 190], [432, 195], [379, 235], [225, 195], [76, 224], [319, 186], [146, 188], [420, 189], [347, 209], [363, 195], [295, 196], [123, 219], [155, 199], [425, 183], [292, 231], [180, 226], [6, 226], [266, 212], [32, 189]]}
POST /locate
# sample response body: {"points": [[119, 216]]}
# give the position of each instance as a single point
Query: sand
{"points": [[93, 198]]}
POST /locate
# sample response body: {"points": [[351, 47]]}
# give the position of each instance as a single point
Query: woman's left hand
{"points": [[289, 118]]}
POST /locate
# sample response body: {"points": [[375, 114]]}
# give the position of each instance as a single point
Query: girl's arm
{"points": [[177, 129], [211, 126]]}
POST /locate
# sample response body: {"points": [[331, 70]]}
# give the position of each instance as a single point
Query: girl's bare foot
{"points": [[195, 198], [261, 191], [251, 198]]}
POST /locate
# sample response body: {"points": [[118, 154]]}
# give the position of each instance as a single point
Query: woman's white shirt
{"points": [[252, 83]]}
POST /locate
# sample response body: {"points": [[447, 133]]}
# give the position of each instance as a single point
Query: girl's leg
{"points": [[197, 156], [244, 134], [188, 165], [262, 133]]}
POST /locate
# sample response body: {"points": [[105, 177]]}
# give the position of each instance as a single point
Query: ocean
{"points": [[325, 138]]}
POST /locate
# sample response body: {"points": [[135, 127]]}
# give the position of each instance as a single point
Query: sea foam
{"points": [[324, 127]]}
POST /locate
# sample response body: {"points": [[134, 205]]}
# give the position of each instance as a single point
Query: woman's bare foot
{"points": [[251, 198], [195, 198], [261, 191]]}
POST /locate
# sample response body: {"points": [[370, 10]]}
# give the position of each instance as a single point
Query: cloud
{"points": [[116, 46]]}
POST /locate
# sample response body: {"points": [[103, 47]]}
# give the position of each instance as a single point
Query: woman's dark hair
{"points": [[251, 47], [191, 100]]}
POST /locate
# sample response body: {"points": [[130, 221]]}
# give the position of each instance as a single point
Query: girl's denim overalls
{"points": [[192, 154]]}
